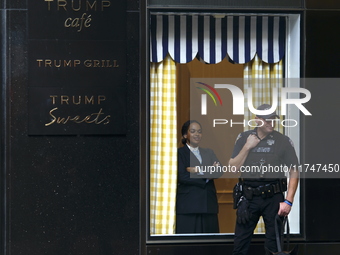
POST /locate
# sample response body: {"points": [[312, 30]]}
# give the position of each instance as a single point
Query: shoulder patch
{"points": [[238, 137], [290, 140]]}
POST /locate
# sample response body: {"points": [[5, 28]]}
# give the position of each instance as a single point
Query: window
{"points": [[216, 48]]}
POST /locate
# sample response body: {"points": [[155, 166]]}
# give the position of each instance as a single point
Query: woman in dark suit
{"points": [[196, 205]]}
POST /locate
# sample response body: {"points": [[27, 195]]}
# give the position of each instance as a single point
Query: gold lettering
{"points": [[79, 6], [89, 100], [75, 23], [87, 63], [39, 62], [79, 100], [53, 98], [107, 120], [102, 63], [104, 5], [94, 5], [78, 120], [108, 63], [48, 62], [54, 118], [66, 24], [64, 99], [57, 65], [115, 63], [63, 120], [62, 3], [86, 118], [67, 63], [96, 118], [76, 62], [96, 63], [81, 23], [101, 98], [48, 4], [88, 21]]}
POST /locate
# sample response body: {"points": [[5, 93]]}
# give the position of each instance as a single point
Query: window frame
{"points": [[292, 70]]}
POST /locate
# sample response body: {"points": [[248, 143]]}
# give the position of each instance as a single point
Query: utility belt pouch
{"points": [[283, 185], [237, 194], [269, 191], [263, 191], [248, 193]]}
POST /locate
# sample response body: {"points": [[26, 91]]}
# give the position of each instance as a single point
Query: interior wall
{"points": [[221, 140]]}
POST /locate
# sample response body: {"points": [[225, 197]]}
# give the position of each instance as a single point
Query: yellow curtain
{"points": [[163, 147], [262, 77]]}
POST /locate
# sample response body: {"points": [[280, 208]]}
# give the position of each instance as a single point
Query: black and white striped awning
{"points": [[214, 37]]}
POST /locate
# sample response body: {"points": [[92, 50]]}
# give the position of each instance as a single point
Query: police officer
{"points": [[263, 155]]}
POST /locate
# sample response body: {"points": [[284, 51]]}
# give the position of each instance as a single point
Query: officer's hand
{"points": [[284, 209], [243, 214], [252, 141]]}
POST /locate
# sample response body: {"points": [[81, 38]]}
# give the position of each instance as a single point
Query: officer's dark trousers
{"points": [[268, 208]]}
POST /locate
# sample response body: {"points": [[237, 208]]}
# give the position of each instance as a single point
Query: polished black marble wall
{"points": [[66, 194], [322, 132], [81, 194]]}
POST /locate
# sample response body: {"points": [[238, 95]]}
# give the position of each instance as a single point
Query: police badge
{"points": [[270, 141]]}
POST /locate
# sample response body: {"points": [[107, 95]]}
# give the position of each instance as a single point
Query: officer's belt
{"points": [[265, 190]]}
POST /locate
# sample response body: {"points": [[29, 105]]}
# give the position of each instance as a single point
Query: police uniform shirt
{"points": [[275, 149]]}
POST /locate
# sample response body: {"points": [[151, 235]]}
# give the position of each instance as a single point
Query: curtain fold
{"points": [[163, 147]]}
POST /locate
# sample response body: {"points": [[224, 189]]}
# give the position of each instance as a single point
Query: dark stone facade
{"points": [[86, 194]]}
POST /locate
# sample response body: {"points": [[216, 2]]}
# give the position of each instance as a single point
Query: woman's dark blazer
{"points": [[195, 195]]}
